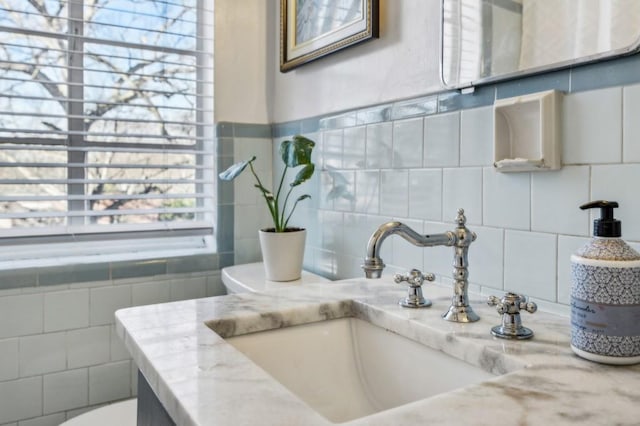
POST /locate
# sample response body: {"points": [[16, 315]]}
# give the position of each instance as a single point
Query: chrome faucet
{"points": [[460, 239]]}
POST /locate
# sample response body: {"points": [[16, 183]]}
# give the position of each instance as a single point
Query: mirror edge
{"points": [[629, 50]]}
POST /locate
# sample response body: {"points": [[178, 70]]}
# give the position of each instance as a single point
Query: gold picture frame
{"points": [[311, 29]]}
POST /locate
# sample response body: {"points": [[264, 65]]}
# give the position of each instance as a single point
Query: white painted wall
{"points": [[242, 57], [402, 63]]}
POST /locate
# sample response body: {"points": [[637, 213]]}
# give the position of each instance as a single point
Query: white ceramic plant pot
{"points": [[282, 254]]}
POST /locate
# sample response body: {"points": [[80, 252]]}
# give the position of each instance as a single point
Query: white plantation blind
{"points": [[106, 113]]}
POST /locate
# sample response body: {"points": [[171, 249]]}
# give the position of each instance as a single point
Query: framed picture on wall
{"points": [[311, 29]]}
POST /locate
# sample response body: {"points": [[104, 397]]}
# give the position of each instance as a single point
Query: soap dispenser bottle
{"points": [[605, 294]]}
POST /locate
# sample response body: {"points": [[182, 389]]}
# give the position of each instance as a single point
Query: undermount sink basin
{"points": [[349, 368]]}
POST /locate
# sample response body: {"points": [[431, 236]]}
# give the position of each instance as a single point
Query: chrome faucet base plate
{"points": [[521, 333], [410, 303], [460, 314]]}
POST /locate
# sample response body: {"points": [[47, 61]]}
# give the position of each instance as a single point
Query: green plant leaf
{"points": [[235, 170], [304, 174], [297, 151]]}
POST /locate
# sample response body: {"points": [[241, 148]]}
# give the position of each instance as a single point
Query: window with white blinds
{"points": [[106, 113]]}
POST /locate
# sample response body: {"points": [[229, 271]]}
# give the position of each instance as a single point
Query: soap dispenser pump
{"points": [[605, 293]]}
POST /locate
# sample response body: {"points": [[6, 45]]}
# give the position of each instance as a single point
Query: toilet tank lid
{"points": [[251, 277]]}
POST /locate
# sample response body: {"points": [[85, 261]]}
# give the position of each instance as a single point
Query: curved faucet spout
{"points": [[460, 238], [373, 264]]}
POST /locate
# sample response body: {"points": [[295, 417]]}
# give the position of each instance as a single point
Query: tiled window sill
{"points": [[97, 268]]}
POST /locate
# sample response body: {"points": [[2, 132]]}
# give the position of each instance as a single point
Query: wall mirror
{"points": [[489, 40]]}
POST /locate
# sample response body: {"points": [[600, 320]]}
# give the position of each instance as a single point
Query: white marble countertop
{"points": [[202, 380]]}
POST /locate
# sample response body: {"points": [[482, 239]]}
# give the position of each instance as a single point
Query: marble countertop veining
{"points": [[201, 380]]}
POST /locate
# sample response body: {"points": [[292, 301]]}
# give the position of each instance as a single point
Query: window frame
{"points": [[200, 231]]}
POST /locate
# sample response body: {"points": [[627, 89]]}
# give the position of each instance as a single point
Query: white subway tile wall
{"points": [[104, 301], [592, 127], [476, 137], [65, 390], [353, 153], [326, 185], [462, 188], [43, 353], [420, 170], [530, 264], [425, 193], [58, 316], [344, 184], [21, 399], [407, 143], [9, 367], [331, 232], [88, 346], [506, 199], [188, 288], [379, 145], [631, 124], [367, 191], [148, 293], [107, 382], [59, 352], [487, 257], [332, 151], [556, 192], [442, 140], [417, 170], [247, 251], [21, 315], [394, 193]]}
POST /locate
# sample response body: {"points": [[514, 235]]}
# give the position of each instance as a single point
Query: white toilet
{"points": [[251, 278], [123, 413]]}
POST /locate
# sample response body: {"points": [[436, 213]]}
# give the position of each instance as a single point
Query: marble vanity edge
{"points": [[549, 364]]}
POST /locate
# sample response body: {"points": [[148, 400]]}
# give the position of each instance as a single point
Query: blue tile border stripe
{"points": [[106, 271], [614, 72]]}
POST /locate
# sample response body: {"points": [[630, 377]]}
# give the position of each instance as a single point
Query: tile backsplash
{"points": [[59, 352], [420, 167], [416, 161]]}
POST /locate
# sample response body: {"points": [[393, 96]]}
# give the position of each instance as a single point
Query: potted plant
{"points": [[282, 246]]}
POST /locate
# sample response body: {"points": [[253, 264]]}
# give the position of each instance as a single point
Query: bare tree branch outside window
{"points": [[99, 118]]}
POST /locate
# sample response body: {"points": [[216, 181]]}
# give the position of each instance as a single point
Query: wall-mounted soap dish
{"points": [[527, 132]]}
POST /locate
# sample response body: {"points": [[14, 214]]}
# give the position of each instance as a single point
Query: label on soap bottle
{"points": [[604, 319]]}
